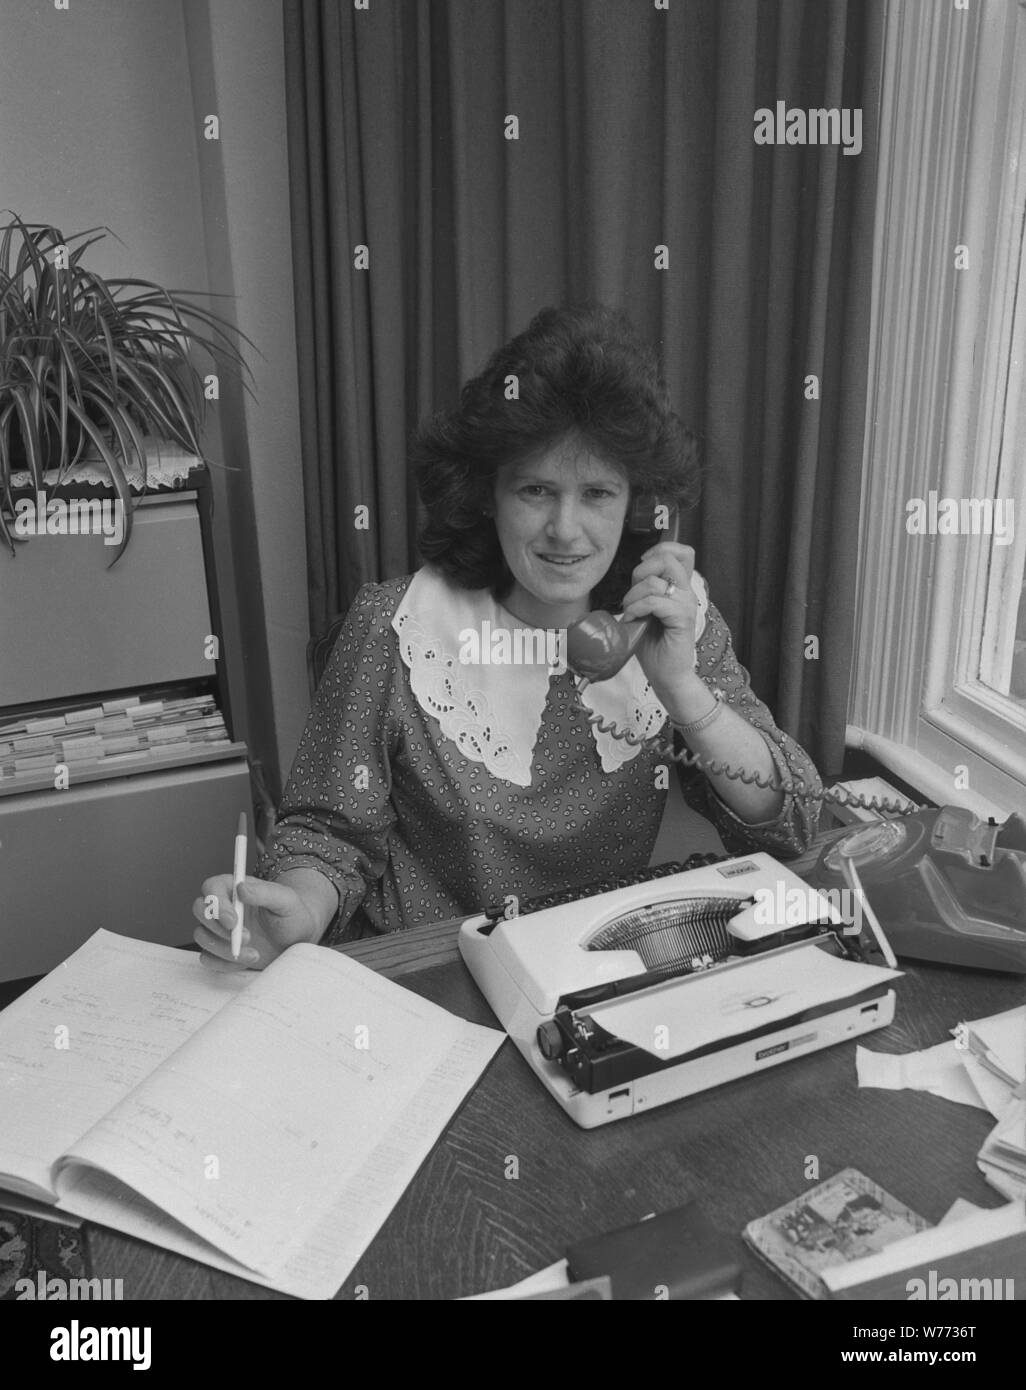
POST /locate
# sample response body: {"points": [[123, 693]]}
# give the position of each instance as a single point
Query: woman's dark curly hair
{"points": [[581, 373]]}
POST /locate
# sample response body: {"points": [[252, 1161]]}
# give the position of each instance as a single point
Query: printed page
{"points": [[284, 1133], [1009, 1136], [723, 1003], [996, 1095], [82, 1038], [1003, 1039]]}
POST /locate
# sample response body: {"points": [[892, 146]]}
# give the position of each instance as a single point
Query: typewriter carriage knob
{"points": [[550, 1040]]}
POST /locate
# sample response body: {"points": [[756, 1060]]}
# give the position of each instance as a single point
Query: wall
{"points": [[235, 49], [101, 108], [96, 114]]}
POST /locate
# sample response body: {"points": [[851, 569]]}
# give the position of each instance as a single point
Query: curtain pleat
{"points": [[635, 131]]}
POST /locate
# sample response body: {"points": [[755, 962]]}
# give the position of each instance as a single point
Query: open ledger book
{"points": [[265, 1124]]}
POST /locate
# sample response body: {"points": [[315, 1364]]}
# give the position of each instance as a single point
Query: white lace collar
{"points": [[493, 714]]}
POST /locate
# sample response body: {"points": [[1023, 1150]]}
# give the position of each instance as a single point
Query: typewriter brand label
{"points": [[732, 870], [783, 1047]]}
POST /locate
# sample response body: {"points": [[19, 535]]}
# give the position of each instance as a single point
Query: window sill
{"points": [[929, 770]]}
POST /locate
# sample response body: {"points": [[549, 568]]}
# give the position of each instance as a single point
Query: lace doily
{"points": [[465, 714], [167, 465], [492, 718]]}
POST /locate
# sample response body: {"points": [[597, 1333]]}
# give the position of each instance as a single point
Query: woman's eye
{"points": [[532, 489]]}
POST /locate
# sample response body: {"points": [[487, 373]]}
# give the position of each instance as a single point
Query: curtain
{"points": [[634, 130]]}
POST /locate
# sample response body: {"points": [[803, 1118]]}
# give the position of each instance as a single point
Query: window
{"points": [[939, 684], [999, 652]]}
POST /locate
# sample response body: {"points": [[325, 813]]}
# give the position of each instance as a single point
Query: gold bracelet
{"points": [[696, 725]]}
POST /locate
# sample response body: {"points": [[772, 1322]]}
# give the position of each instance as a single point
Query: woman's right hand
{"points": [[276, 917]]}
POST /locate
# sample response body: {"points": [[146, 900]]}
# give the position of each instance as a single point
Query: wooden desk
{"points": [[513, 1181]]}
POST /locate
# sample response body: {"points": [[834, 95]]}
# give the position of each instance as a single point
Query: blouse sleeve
{"points": [[335, 815], [792, 831]]}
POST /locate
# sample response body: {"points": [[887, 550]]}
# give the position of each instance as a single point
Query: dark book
{"points": [[677, 1255]]}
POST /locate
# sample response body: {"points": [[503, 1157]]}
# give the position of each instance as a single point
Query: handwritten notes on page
{"points": [[264, 1123], [80, 1040]]}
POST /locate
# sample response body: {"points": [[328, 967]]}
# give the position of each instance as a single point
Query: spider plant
{"points": [[90, 365]]}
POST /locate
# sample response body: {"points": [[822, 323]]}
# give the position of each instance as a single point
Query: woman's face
{"points": [[559, 517]]}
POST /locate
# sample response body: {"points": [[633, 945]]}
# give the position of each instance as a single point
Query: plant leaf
{"points": [[117, 475], [117, 355]]}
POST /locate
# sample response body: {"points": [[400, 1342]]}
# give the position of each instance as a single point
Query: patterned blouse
{"points": [[411, 830]]}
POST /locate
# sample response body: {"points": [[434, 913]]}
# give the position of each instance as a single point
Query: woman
{"points": [[434, 776]]}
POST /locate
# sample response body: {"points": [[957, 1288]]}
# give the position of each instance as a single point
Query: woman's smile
{"points": [[562, 560]]}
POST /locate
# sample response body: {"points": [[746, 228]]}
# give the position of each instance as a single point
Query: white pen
{"points": [[238, 874]]}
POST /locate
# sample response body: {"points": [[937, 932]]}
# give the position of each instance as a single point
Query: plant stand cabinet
{"points": [[126, 851]]}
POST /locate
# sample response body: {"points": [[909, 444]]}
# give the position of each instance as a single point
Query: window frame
{"points": [[940, 414]]}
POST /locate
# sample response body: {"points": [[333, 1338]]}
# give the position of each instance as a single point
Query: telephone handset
{"points": [[598, 646]]}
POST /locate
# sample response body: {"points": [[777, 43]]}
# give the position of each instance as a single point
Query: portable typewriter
{"points": [[678, 980]]}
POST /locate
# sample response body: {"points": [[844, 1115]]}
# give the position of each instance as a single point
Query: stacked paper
{"points": [[994, 1054], [984, 1066], [97, 737]]}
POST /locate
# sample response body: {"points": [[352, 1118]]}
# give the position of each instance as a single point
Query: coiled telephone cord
{"points": [[801, 791]]}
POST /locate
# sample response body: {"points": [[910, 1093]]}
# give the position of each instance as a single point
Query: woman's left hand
{"points": [[661, 588]]}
